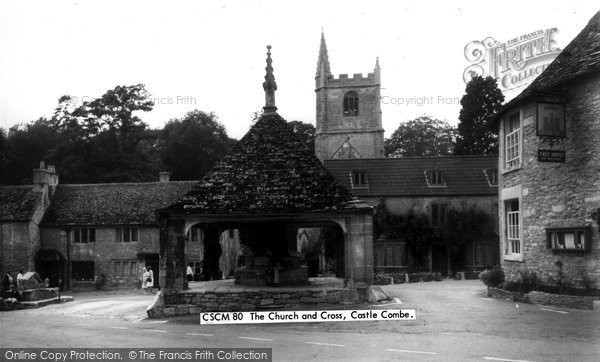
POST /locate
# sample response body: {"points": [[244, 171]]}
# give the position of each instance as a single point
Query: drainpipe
{"points": [[68, 266]]}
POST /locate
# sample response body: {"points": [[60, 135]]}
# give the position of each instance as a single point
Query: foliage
{"points": [[414, 228], [492, 277], [476, 134], [467, 226], [104, 140], [423, 136], [23, 148], [528, 281], [305, 132], [192, 145]]}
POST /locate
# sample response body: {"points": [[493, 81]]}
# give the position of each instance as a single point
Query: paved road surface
{"points": [[455, 322]]}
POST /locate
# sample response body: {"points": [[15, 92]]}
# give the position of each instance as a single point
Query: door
{"points": [[439, 259]]}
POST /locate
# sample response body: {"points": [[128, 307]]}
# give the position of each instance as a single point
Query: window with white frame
{"points": [[127, 235], [512, 141], [513, 230]]}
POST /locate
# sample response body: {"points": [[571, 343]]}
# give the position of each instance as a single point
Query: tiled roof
{"points": [[18, 203], [406, 176], [270, 171], [580, 57], [112, 204]]}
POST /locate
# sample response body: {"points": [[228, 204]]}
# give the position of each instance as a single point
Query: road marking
{"points": [[157, 322], [505, 359], [487, 298], [409, 351], [257, 339], [200, 334], [326, 344], [555, 311], [119, 327], [139, 320], [154, 330]]}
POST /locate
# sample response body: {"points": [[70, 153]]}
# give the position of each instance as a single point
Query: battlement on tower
{"points": [[357, 79]]}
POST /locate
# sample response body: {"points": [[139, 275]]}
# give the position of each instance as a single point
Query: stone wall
{"points": [[235, 300], [557, 194], [16, 247]]}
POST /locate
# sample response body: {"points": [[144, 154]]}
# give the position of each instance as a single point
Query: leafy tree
{"points": [[467, 226], [24, 147], [423, 136], [100, 139], [481, 101], [193, 144], [306, 133]]}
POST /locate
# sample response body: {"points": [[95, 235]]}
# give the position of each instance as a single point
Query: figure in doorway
{"points": [[190, 273], [145, 278], [150, 279]]}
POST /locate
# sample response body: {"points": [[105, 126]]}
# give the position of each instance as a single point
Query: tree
{"points": [[423, 136], [305, 132], [481, 102], [100, 139], [192, 145], [24, 147]]}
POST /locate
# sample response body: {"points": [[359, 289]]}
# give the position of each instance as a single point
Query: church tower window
{"points": [[351, 104]]}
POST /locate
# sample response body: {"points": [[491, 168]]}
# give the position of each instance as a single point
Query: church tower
{"points": [[348, 113]]}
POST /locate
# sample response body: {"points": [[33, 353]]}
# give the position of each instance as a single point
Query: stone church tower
{"points": [[348, 113]]}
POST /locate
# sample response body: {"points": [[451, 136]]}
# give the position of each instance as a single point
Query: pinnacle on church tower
{"points": [[269, 85]]}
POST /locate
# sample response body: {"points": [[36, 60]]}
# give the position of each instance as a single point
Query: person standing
{"points": [[20, 280], [145, 277], [190, 273], [150, 279]]}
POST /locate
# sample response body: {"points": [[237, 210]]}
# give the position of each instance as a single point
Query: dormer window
{"points": [[434, 178], [351, 104], [359, 179], [491, 174]]}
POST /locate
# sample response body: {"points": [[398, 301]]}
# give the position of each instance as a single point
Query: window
{"points": [[82, 270], [512, 141], [359, 179], [513, 230], [351, 104], [568, 239], [195, 234], [438, 215], [492, 176], [434, 178], [125, 268], [127, 235], [390, 254], [84, 235]]}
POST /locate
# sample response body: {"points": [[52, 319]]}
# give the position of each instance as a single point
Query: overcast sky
{"points": [[211, 55]]}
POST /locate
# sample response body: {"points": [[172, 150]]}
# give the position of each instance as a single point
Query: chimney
{"points": [[163, 177], [45, 176]]}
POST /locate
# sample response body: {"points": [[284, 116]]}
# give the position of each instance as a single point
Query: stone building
{"points": [[21, 211], [549, 195], [268, 186], [349, 142], [432, 186], [94, 233], [348, 112]]}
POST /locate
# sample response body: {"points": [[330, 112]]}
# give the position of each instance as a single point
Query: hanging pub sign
{"points": [[551, 120]]}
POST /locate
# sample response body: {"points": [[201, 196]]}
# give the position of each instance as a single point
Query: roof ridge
{"points": [[128, 183]]}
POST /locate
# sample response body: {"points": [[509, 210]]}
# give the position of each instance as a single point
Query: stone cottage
{"points": [[90, 235], [549, 192]]}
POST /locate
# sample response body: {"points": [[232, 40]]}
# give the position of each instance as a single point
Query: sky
{"points": [[211, 55]]}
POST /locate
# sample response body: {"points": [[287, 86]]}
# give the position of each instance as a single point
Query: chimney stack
{"points": [[45, 176], [163, 177]]}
